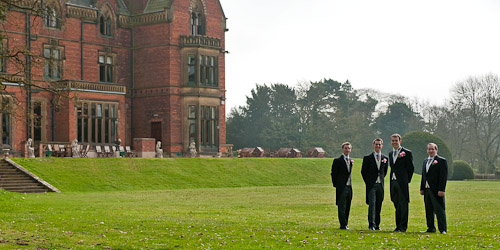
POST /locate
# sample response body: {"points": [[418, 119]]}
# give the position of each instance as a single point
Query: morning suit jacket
{"points": [[436, 176], [370, 172], [340, 175], [403, 168]]}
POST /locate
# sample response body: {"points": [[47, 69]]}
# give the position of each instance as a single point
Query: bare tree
{"points": [[477, 102]]}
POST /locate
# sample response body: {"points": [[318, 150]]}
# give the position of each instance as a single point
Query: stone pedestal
{"points": [[145, 147]]}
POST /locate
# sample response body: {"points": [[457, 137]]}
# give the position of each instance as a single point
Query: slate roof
{"points": [[86, 3], [157, 5], [122, 7]]}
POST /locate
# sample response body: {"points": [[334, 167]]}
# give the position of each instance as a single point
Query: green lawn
{"points": [[224, 204]]}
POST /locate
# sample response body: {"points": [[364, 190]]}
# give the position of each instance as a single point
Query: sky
{"points": [[416, 48]]}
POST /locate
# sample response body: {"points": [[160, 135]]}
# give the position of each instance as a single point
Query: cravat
{"points": [[428, 165], [378, 157]]}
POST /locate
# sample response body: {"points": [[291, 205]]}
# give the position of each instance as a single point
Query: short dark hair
{"points": [[346, 143], [378, 139]]}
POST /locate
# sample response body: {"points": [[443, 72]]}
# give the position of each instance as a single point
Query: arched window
{"points": [[52, 14], [105, 25], [107, 21], [198, 26]]}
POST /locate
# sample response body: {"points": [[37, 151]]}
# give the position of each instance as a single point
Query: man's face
{"points": [[346, 149], [377, 146], [396, 143], [431, 150]]}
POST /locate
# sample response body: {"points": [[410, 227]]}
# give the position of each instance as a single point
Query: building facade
{"points": [[99, 70]]}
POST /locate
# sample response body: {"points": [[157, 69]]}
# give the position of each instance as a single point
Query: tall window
{"points": [[209, 126], [51, 17], [106, 68], [3, 53], [36, 121], [5, 112], [192, 124], [53, 62], [105, 25], [208, 70], [197, 24], [191, 69], [202, 72], [97, 122]]}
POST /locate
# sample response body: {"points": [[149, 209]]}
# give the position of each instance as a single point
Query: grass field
{"points": [[225, 204]]}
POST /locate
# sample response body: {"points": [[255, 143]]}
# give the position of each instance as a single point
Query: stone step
{"points": [[15, 180], [14, 186], [27, 190]]}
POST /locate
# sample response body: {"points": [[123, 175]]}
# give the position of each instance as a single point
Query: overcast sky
{"points": [[417, 48]]}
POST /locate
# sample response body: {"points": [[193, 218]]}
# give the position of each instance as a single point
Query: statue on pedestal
{"points": [[75, 148], [192, 149], [159, 151], [31, 150]]}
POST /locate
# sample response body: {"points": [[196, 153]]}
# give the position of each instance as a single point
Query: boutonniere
{"points": [[384, 160], [402, 154], [352, 161], [435, 162]]}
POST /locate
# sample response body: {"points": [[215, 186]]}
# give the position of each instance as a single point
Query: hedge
{"points": [[417, 143]]}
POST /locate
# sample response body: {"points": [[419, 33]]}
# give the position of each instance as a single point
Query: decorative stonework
{"points": [[92, 87], [193, 6], [149, 18], [81, 13], [200, 41]]}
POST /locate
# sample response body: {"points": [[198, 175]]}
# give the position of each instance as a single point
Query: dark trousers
{"points": [[375, 198], [344, 206], [401, 206], [432, 206]]}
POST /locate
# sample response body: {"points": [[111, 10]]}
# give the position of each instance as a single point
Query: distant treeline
{"points": [[327, 113]]}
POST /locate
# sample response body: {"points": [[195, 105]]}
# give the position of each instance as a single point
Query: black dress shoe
{"points": [[345, 228], [377, 228], [371, 228], [429, 231], [397, 230]]}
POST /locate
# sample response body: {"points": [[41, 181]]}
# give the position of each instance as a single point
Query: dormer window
{"points": [[107, 21], [105, 25], [52, 15], [198, 23]]}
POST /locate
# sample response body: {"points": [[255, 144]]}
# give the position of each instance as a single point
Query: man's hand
{"points": [[421, 192], [441, 193]]}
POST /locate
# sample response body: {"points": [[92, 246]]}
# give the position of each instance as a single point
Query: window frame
{"points": [[51, 63], [3, 55], [107, 71], [97, 121]]}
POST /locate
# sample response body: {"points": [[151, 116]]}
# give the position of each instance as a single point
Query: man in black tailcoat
{"points": [[341, 179], [432, 187], [373, 170], [401, 162]]}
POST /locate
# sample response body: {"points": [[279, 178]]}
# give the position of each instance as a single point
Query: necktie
{"points": [[394, 153], [378, 157], [428, 165]]}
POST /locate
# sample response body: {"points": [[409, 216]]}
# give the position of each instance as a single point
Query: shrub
{"points": [[417, 143], [462, 170]]}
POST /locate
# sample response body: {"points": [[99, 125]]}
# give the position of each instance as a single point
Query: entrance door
{"points": [[156, 131]]}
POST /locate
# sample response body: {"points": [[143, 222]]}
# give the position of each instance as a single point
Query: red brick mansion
{"points": [[99, 70]]}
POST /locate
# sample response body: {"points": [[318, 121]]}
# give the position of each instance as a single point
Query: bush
{"points": [[417, 143], [462, 171]]}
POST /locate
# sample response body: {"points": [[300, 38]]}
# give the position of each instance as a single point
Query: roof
{"points": [[122, 8], [157, 5], [86, 3], [318, 149]]}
